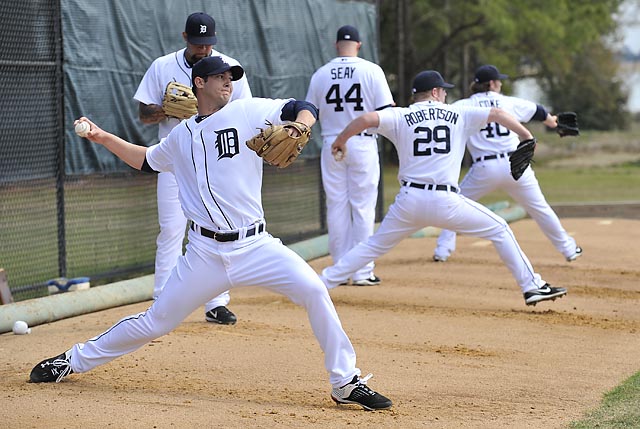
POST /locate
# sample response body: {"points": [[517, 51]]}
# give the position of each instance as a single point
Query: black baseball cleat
{"points": [[576, 255], [221, 315], [357, 392], [545, 293], [52, 370]]}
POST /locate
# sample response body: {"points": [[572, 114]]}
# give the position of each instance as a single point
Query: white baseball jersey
{"points": [[205, 157], [173, 67], [345, 88], [430, 138], [494, 138]]}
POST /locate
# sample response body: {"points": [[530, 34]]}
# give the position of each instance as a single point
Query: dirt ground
{"points": [[452, 344]]}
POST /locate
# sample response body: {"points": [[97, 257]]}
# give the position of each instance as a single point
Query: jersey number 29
{"points": [[439, 135], [352, 96]]}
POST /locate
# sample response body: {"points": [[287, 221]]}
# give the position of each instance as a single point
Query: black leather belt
{"points": [[228, 236], [366, 135], [430, 186], [494, 156]]}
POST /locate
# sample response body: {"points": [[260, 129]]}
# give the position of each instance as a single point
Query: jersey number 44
{"points": [[353, 96]]}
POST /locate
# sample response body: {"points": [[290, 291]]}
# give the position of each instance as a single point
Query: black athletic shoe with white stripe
{"points": [[221, 315], [357, 392], [546, 292], [52, 370]]}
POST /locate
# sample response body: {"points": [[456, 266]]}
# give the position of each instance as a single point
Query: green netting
{"points": [[70, 208]]}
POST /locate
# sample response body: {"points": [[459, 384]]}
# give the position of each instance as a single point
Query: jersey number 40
{"points": [[499, 130], [352, 95]]}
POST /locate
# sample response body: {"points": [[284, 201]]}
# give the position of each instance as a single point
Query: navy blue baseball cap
{"points": [[208, 66], [201, 29], [488, 72], [427, 80], [348, 33]]}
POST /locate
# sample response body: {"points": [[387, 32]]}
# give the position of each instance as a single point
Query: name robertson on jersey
{"points": [[431, 114]]}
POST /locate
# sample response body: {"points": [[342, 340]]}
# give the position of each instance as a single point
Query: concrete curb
{"points": [[60, 306]]}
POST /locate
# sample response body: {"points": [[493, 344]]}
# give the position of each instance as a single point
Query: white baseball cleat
{"points": [[575, 255]]}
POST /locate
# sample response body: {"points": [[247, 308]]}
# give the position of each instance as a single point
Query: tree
{"points": [[552, 41]]}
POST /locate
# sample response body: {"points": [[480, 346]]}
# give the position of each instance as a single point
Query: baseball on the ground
{"points": [[82, 129], [21, 328]]}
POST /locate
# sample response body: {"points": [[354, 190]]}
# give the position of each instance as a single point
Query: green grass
{"points": [[620, 408], [612, 183]]}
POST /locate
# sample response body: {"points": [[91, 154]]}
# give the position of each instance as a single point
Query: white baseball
{"points": [[338, 155], [21, 328], [82, 129]]}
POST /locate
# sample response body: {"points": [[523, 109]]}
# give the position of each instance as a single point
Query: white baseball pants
{"points": [[169, 241], [207, 269], [415, 209], [351, 189], [487, 176]]}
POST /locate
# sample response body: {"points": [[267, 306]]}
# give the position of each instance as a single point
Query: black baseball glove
{"points": [[567, 124], [522, 157]]}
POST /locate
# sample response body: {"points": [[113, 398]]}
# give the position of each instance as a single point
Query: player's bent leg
{"points": [[478, 221], [395, 226], [526, 192], [272, 265], [170, 308], [297, 280]]}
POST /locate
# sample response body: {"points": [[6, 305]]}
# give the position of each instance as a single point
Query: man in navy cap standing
{"points": [[200, 37], [343, 89]]}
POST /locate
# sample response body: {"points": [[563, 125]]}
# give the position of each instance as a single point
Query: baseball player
{"points": [[490, 149], [430, 137], [220, 181], [343, 89], [200, 36]]}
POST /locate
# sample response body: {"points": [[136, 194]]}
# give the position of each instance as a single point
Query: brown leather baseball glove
{"points": [[276, 146], [179, 101]]}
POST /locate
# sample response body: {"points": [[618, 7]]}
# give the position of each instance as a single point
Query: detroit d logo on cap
{"points": [[203, 29]]}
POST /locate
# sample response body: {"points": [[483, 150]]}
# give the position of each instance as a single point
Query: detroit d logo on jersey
{"points": [[227, 143]]}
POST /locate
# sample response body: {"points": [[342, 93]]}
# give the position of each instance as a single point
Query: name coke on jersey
{"points": [[342, 73], [431, 114], [489, 103]]}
